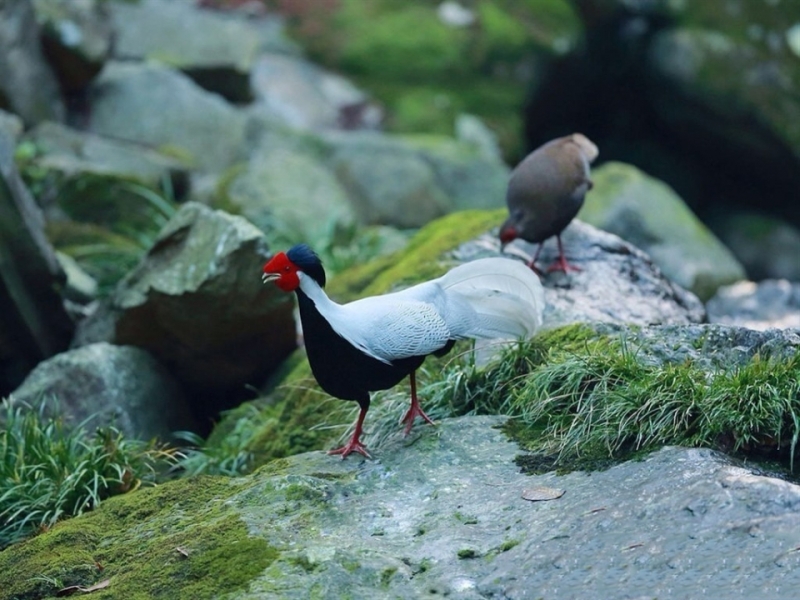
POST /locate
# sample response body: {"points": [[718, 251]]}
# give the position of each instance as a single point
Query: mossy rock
{"points": [[650, 215]]}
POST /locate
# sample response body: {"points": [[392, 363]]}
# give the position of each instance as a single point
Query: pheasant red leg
{"points": [[354, 445], [416, 409]]}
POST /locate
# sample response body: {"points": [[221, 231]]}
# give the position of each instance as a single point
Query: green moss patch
{"points": [[425, 72], [185, 541], [424, 258]]}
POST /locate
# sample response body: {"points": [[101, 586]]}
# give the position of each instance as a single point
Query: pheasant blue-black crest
{"points": [[308, 262]]}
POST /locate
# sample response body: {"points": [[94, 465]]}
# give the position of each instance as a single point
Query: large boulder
{"points": [[289, 191], [33, 321], [303, 95], [215, 49], [27, 85], [197, 303], [469, 170], [70, 155], [388, 181], [101, 384], [163, 108], [446, 513], [76, 38], [650, 215], [407, 182]]}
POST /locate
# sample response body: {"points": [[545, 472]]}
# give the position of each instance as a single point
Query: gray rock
{"points": [[768, 247], [714, 347], [618, 282], [303, 95], [389, 182], [70, 154], [76, 37], [10, 126], [472, 130], [197, 303], [763, 305], [33, 321], [216, 49], [443, 514], [292, 192], [102, 384], [163, 108], [650, 215], [27, 85], [469, 177]]}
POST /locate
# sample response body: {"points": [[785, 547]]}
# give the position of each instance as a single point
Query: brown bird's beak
{"points": [[267, 277]]}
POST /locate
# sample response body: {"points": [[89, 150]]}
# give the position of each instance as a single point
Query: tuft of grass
{"points": [[112, 225], [232, 455], [50, 471], [594, 400]]}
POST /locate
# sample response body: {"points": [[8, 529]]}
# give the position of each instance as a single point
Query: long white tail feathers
{"points": [[506, 295]]}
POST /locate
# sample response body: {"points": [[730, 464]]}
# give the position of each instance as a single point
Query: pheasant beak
{"points": [[267, 277]]}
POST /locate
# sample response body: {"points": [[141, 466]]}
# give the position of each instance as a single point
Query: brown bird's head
{"points": [[510, 230]]}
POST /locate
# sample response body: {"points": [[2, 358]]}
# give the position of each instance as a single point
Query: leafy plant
{"points": [[113, 223], [50, 471]]}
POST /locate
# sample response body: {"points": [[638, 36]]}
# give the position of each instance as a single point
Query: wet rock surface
{"points": [[678, 522]]}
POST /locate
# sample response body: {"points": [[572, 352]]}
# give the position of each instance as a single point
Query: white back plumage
{"points": [[495, 298]]}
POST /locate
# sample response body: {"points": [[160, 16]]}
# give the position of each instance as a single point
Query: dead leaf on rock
{"points": [[74, 589], [541, 493]]}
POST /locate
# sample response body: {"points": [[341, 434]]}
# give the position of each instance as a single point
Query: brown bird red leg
{"points": [[561, 264], [532, 263], [354, 445], [416, 409]]}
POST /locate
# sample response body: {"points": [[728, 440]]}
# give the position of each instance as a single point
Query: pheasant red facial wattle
{"points": [[374, 343], [282, 271]]}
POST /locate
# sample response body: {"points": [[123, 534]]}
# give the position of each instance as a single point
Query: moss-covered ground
{"points": [[175, 534]]}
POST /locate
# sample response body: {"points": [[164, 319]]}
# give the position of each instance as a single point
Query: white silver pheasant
{"points": [[373, 343]]}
